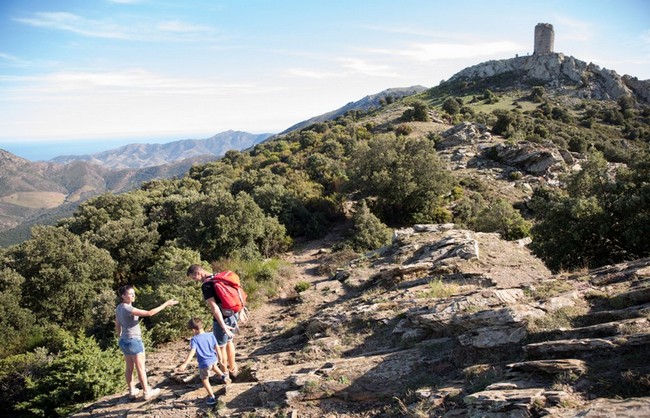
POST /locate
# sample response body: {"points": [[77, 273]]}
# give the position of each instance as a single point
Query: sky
{"points": [[81, 76]]}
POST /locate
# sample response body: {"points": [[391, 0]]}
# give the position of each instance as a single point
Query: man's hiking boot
{"points": [[211, 401]]}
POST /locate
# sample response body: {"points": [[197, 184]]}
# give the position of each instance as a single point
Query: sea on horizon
{"points": [[45, 150]]}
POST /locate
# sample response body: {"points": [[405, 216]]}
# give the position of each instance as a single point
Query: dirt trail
{"points": [[263, 357]]}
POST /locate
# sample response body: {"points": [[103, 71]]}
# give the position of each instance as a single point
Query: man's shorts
{"points": [[131, 346], [220, 334]]}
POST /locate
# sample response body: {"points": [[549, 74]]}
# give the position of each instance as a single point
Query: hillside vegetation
{"points": [[26, 188], [526, 162]]}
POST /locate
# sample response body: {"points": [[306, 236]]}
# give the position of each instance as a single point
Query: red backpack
{"points": [[228, 289]]}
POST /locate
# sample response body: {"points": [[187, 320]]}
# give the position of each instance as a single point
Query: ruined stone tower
{"points": [[544, 38]]}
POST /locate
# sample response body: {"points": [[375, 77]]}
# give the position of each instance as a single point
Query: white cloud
{"points": [[362, 67], [13, 60], [307, 73], [441, 51], [147, 31], [575, 30], [102, 84], [76, 24], [181, 27]]}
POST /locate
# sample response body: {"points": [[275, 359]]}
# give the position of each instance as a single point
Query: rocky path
{"points": [[266, 358], [444, 323]]}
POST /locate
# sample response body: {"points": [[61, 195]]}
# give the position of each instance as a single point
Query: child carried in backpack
{"points": [[204, 345]]}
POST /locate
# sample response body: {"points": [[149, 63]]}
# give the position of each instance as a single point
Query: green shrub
{"points": [[403, 129], [81, 373], [599, 218], [501, 217], [452, 105], [16, 372], [419, 112], [368, 232], [171, 323], [261, 279], [301, 286]]}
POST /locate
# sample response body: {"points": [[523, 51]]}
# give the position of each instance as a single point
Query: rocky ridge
{"points": [[558, 71], [150, 155], [445, 322]]}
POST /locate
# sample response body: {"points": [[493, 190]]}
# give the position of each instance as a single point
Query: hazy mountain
{"points": [[44, 192], [368, 102], [150, 155]]}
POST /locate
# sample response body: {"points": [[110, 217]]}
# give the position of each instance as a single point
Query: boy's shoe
{"points": [[151, 394], [222, 380], [211, 401], [133, 393]]}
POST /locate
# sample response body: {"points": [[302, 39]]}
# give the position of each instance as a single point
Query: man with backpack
{"points": [[225, 299]]}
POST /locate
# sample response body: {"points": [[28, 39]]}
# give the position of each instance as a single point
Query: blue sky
{"points": [[97, 71]]}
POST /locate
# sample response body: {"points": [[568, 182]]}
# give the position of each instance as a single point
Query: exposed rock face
{"points": [[499, 345], [554, 70], [465, 133], [640, 87], [531, 158]]}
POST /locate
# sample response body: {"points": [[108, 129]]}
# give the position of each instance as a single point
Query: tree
{"points": [[452, 105], [501, 217], [224, 226], [600, 218], [405, 178], [119, 224], [65, 277], [170, 264], [17, 324], [367, 232], [419, 112]]}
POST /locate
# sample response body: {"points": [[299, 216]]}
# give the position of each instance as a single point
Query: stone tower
{"points": [[544, 38]]}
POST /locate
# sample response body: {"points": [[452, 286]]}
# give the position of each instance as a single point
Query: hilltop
{"points": [[476, 249], [444, 321]]}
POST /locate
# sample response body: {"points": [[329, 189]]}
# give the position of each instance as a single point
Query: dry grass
{"points": [[438, 289], [35, 200]]}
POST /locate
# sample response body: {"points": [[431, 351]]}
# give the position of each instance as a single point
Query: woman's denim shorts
{"points": [[131, 346]]}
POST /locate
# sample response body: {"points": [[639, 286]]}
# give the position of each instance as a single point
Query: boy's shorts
{"points": [[207, 372], [131, 346], [220, 334]]}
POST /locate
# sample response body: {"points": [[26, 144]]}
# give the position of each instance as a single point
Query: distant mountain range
{"points": [[44, 192], [151, 155]]}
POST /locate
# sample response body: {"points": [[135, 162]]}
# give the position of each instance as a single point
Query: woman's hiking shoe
{"points": [[211, 400], [133, 393], [151, 394]]}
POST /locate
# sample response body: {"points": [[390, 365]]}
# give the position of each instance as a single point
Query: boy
{"points": [[204, 345]]}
